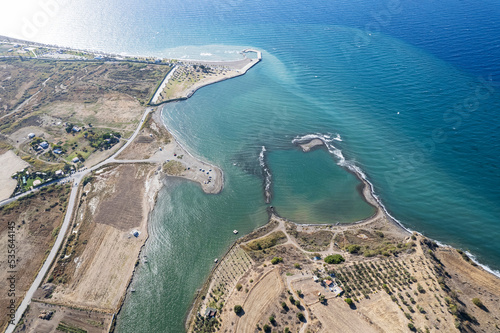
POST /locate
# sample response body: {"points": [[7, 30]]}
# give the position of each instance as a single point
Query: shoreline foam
{"points": [[305, 141]]}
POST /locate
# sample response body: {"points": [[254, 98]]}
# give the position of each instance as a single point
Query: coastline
{"points": [[470, 281], [232, 70], [371, 197]]}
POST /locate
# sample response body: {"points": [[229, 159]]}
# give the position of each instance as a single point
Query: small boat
{"points": [[235, 231], [132, 290], [216, 260]]}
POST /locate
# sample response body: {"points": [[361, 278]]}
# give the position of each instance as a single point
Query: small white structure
{"points": [[337, 290], [59, 173], [235, 231], [44, 145], [37, 182], [75, 160], [31, 135]]}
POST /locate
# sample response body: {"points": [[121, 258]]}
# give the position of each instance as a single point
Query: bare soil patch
{"points": [[151, 138], [97, 261], [35, 220], [122, 208], [265, 292], [10, 163], [60, 317]]}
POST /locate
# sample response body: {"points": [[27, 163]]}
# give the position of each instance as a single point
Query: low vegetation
{"points": [[334, 259], [267, 241]]}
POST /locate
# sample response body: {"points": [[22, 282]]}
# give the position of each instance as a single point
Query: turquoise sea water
{"points": [[409, 89]]}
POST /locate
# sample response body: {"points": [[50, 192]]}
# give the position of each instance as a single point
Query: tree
{"points": [[239, 286], [349, 301], [322, 298], [300, 316], [271, 319], [266, 328], [284, 306], [477, 302], [238, 309], [411, 326], [334, 259]]}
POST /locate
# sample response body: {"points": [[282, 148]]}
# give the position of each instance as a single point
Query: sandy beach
{"points": [[189, 76], [155, 144]]}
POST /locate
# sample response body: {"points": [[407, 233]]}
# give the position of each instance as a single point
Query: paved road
{"points": [[76, 178], [46, 265]]}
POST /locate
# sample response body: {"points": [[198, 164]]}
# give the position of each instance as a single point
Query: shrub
{"points": [[297, 303], [334, 259], [276, 260], [296, 265], [266, 328], [353, 248], [420, 289], [271, 319], [238, 286], [292, 300], [238, 309], [349, 301], [411, 326], [300, 316], [283, 305], [477, 302], [287, 330]]}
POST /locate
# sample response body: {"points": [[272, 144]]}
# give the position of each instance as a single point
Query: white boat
{"points": [[235, 231], [216, 260]]}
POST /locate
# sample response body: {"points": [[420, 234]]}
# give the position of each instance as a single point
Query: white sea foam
{"points": [[267, 174], [351, 165], [486, 268]]}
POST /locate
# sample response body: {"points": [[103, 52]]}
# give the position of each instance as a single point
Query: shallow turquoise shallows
{"points": [[406, 91]]}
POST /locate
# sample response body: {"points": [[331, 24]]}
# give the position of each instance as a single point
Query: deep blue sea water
{"points": [[411, 88]]}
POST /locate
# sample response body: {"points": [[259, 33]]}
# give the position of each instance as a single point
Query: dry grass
{"points": [[417, 284], [113, 204], [37, 218]]}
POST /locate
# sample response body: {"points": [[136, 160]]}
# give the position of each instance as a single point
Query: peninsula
{"points": [[81, 139], [370, 276]]}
